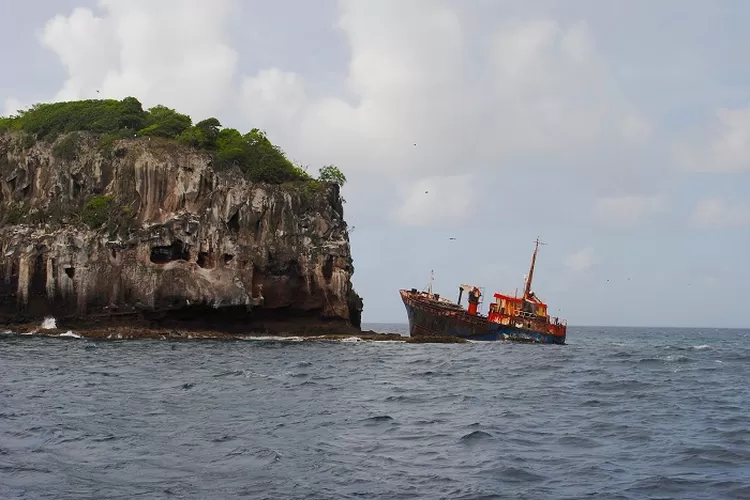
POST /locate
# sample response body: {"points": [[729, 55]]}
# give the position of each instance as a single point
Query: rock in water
{"points": [[149, 233]]}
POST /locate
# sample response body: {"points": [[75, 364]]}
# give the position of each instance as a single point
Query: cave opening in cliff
{"points": [[37, 303], [234, 222], [206, 260], [228, 258], [328, 269], [176, 251], [71, 272]]}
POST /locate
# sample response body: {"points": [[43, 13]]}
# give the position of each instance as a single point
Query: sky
{"points": [[618, 132]]}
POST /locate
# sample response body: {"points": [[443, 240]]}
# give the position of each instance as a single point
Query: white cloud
{"points": [[12, 106], [726, 147], [628, 210], [436, 200], [473, 102], [273, 96], [715, 212], [427, 95], [170, 52], [535, 90], [581, 260]]}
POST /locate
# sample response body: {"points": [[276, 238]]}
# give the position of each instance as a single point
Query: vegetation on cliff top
{"points": [[253, 153]]}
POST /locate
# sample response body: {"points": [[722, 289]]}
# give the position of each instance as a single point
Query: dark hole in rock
{"points": [[257, 229], [228, 258], [27, 190], [205, 260], [114, 253], [70, 271], [328, 269], [39, 278], [176, 251], [234, 222], [12, 184]]}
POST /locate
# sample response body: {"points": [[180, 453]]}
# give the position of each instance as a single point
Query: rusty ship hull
{"points": [[429, 317], [510, 317]]}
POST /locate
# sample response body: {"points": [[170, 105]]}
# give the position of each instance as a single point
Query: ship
{"points": [[511, 318]]}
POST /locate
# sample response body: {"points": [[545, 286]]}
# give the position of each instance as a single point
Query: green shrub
{"points": [[253, 153], [331, 174], [27, 141], [6, 124], [14, 215], [66, 148], [162, 121], [256, 156], [96, 211], [50, 120], [203, 135], [106, 141]]}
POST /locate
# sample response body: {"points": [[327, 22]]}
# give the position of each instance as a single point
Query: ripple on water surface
{"points": [[617, 413]]}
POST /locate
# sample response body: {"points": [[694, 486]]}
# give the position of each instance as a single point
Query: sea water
{"points": [[616, 413]]}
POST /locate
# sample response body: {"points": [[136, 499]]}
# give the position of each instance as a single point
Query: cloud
{"points": [[715, 212], [12, 106], [432, 92], [581, 260], [628, 210], [273, 96], [170, 52], [721, 146], [436, 200], [480, 103]]}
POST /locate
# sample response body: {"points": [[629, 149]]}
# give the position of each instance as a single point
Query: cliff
{"points": [[148, 232]]}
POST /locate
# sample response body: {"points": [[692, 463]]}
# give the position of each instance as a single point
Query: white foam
{"points": [[71, 335], [49, 323], [288, 339], [701, 347]]}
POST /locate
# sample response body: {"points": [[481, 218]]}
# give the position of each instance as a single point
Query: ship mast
{"points": [[429, 285], [527, 291]]}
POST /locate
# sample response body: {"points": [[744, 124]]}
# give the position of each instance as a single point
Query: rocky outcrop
{"points": [[147, 233]]}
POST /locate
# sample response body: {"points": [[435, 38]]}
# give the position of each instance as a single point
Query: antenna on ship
{"points": [[527, 291]]}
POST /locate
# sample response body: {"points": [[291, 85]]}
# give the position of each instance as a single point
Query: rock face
{"points": [[178, 242]]}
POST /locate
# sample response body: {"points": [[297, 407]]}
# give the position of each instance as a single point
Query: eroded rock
{"points": [[181, 242]]}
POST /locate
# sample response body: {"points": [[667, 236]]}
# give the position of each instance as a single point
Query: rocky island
{"points": [[116, 218]]}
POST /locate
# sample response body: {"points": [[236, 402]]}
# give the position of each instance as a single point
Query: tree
{"points": [[332, 175], [162, 121], [132, 115], [210, 128]]}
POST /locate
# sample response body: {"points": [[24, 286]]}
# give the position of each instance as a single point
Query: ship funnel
{"points": [[474, 301]]}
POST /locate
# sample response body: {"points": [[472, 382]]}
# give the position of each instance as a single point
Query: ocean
{"points": [[620, 413]]}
